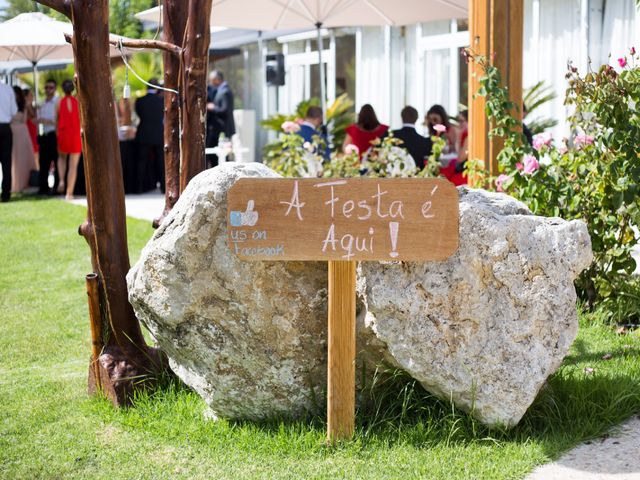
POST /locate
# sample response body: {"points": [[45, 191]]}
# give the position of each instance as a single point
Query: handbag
{"points": [[34, 178]]}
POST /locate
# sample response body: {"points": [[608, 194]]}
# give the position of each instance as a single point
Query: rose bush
{"points": [[593, 176]]}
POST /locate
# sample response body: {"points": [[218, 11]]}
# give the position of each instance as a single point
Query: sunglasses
{"points": [[49, 87]]}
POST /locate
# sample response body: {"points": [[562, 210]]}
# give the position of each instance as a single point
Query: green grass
{"points": [[49, 428]]}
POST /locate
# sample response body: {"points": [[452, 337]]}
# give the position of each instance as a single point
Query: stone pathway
{"points": [[145, 206], [616, 457]]}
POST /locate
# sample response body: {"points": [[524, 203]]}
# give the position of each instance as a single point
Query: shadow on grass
{"points": [[570, 409], [584, 355]]}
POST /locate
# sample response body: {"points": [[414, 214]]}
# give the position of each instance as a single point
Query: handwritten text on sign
{"points": [[343, 219]]}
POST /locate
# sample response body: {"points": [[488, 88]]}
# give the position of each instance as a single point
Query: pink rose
{"points": [[542, 140], [519, 166], [438, 127], [562, 150], [530, 164], [622, 62], [290, 127], [502, 178], [583, 139], [351, 149]]}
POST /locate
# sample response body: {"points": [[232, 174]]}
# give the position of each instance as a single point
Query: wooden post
{"points": [[496, 31], [194, 88], [95, 321], [341, 350], [174, 21]]}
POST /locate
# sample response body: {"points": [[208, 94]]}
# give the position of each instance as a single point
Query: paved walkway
{"points": [[615, 457], [145, 206]]}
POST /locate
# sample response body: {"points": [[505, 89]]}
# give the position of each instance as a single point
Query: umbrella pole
{"points": [[35, 84], [323, 93]]}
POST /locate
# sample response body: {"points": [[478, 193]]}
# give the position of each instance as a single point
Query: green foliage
{"points": [[16, 7], [338, 117], [121, 19], [534, 97], [146, 64], [593, 177], [59, 76], [296, 158]]}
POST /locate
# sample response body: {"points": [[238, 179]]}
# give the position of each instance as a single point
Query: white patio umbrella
{"points": [[34, 37], [292, 14]]}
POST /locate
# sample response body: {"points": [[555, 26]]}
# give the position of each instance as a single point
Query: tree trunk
{"points": [[194, 88], [174, 22], [125, 354]]}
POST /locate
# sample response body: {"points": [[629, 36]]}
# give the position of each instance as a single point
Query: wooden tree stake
{"points": [[342, 350], [95, 321]]}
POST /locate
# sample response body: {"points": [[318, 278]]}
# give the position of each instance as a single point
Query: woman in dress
{"points": [[23, 160], [31, 123], [69, 140], [365, 131], [437, 115]]}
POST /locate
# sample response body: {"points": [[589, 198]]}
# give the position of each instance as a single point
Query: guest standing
{"points": [[150, 140], [219, 113], [366, 130], [48, 140], [437, 115], [8, 108], [69, 140], [31, 124], [418, 146], [312, 129], [23, 160]]}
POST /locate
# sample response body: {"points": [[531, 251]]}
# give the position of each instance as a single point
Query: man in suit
{"points": [[219, 113], [150, 140], [8, 108], [312, 127], [418, 146]]}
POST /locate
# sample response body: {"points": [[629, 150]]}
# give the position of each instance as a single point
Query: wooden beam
{"points": [[341, 374], [496, 30]]}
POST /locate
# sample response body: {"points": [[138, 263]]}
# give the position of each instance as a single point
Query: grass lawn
{"points": [[50, 428]]}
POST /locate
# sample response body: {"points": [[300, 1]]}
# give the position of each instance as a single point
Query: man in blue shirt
{"points": [[312, 127]]}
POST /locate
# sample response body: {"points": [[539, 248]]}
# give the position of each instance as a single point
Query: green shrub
{"points": [[593, 176]]}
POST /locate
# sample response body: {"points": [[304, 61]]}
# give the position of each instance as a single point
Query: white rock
{"points": [[249, 337], [488, 326], [484, 328]]}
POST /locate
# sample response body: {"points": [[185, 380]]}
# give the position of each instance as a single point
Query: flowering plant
{"points": [[296, 158], [386, 159], [593, 176]]}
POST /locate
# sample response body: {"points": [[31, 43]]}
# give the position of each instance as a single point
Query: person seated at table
{"points": [[437, 115], [364, 131], [312, 126], [418, 146], [454, 171]]}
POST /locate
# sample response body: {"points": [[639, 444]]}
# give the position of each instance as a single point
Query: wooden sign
{"points": [[343, 219]]}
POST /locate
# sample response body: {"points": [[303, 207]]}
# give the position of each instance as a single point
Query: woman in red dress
{"points": [[69, 139], [31, 126], [367, 129]]}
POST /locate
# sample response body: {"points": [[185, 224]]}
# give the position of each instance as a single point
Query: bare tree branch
{"points": [[145, 43]]}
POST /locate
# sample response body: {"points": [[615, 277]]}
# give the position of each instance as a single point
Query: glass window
{"points": [[346, 66], [296, 47], [464, 79], [463, 25], [314, 44], [436, 28]]}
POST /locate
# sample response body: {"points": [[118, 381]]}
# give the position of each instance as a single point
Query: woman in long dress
{"points": [[69, 139], [23, 160], [31, 123]]}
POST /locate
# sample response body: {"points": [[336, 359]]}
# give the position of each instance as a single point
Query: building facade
{"points": [[421, 64]]}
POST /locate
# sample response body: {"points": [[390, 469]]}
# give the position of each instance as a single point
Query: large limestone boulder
{"points": [[488, 326], [484, 328], [249, 337]]}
